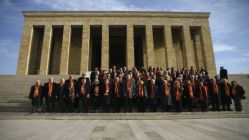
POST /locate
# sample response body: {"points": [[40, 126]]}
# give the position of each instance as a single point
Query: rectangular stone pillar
{"points": [[45, 54], [105, 47], [209, 60], [65, 50], [130, 47], [24, 52], [150, 45], [198, 50], [85, 49], [170, 52], [188, 47]]}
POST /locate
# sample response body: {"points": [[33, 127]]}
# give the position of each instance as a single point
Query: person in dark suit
{"points": [[117, 93], [189, 90], [96, 94], [35, 95], [59, 101], [107, 92], [49, 93], [225, 95], [84, 94], [153, 95], [223, 73], [167, 91], [203, 97], [237, 93], [214, 94], [178, 93], [141, 93], [128, 92], [73, 82], [71, 94]]}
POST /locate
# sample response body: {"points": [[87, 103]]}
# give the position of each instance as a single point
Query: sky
{"points": [[229, 24]]}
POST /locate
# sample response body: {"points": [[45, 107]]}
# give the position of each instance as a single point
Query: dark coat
{"points": [[35, 100], [45, 90]]}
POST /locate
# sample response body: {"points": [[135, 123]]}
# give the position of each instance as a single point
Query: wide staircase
{"points": [[14, 91]]}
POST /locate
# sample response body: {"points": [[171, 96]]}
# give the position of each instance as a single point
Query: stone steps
{"points": [[14, 91]]}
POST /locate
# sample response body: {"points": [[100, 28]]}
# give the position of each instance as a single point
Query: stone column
{"points": [[170, 52], [105, 47], [25, 47], [65, 50], [197, 42], [150, 46], [45, 54], [130, 47], [188, 47], [84, 60], [208, 50]]}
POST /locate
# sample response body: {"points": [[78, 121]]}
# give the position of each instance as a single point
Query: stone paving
{"points": [[185, 129]]}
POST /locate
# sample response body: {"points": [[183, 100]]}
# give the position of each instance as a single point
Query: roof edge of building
{"points": [[115, 13]]}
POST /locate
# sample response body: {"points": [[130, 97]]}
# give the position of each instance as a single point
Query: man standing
{"points": [[153, 94], [84, 94], [141, 93], [34, 96], [223, 73], [117, 93], [178, 92], [128, 91], [49, 94], [106, 95], [167, 100], [60, 91], [202, 97], [214, 93], [237, 93], [225, 95]]}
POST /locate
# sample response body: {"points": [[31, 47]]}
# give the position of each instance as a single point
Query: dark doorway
{"points": [[139, 36], [117, 46], [36, 49], [75, 50], [55, 51], [95, 47]]}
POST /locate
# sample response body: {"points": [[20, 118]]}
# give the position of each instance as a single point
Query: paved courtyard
{"points": [[190, 129]]}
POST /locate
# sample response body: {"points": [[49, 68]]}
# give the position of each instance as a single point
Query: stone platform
{"points": [[190, 129]]}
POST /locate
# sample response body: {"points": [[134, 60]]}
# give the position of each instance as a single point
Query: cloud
{"points": [[87, 5], [222, 47], [8, 48]]}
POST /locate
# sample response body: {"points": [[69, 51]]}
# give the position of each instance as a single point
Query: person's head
{"points": [[37, 83], [167, 77], [96, 81], [50, 79], [213, 80], [201, 83], [70, 77], [188, 82], [83, 80], [116, 79], [153, 81], [221, 67], [128, 76], [234, 83], [62, 81], [83, 74], [224, 80]]}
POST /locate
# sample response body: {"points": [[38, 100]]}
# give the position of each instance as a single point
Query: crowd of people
{"points": [[141, 90]]}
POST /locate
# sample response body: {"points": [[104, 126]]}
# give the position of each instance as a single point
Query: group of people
{"points": [[152, 89]]}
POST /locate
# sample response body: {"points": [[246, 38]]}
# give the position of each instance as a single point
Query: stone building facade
{"points": [[73, 42]]}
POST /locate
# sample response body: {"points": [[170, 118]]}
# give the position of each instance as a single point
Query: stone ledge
{"points": [[121, 116]]}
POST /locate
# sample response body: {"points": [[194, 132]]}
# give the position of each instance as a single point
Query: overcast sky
{"points": [[229, 24]]}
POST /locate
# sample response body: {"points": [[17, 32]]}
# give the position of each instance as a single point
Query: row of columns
{"points": [[170, 54]]}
